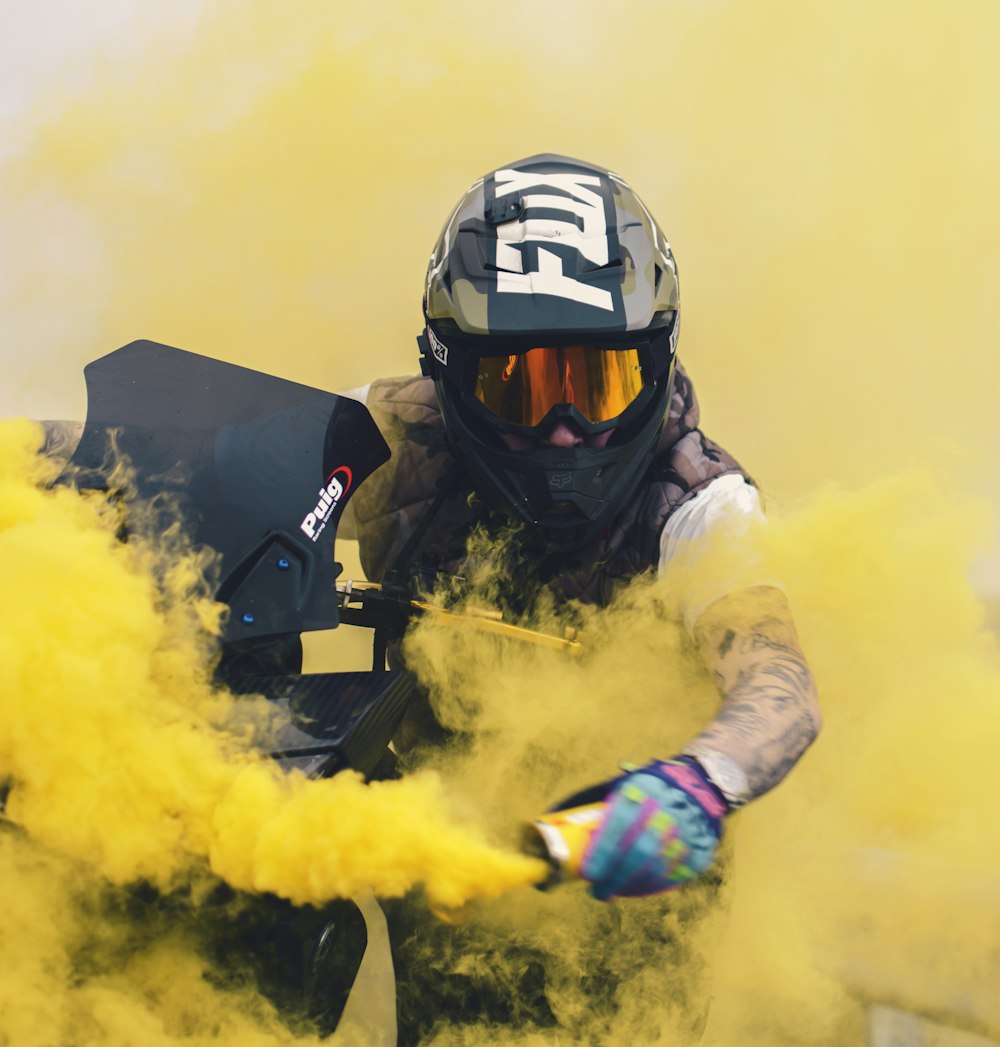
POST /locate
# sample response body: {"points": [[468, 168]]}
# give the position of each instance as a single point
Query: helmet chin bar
{"points": [[571, 495]]}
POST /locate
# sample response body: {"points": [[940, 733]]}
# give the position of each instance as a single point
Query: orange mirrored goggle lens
{"points": [[523, 388]]}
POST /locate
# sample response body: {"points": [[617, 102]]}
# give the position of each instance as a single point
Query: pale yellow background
{"points": [[264, 184]]}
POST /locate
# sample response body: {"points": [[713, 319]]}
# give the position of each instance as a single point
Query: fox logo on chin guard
{"points": [[329, 496]]}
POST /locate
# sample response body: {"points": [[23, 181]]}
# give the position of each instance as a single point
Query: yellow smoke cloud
{"points": [[869, 879], [870, 876], [73, 974], [117, 744], [119, 753], [266, 188], [271, 191]]}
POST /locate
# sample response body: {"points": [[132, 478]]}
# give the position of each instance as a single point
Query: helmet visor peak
{"points": [[522, 388]]}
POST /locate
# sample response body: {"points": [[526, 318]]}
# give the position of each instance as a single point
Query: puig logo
{"points": [[335, 489]]}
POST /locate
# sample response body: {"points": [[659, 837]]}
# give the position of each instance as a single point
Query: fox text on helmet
{"points": [[569, 200]]}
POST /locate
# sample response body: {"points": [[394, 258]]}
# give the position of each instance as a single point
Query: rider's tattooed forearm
{"points": [[767, 764], [775, 759], [785, 753], [765, 729], [790, 671], [769, 714], [742, 717], [757, 704], [61, 439]]}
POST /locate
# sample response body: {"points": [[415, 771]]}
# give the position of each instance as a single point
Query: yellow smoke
{"points": [[869, 877], [117, 746], [73, 974], [266, 188], [119, 754]]}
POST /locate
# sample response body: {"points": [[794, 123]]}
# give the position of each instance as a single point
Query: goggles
{"points": [[521, 389]]}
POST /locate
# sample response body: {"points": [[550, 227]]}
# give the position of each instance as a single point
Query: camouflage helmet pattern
{"points": [[551, 245], [551, 251]]}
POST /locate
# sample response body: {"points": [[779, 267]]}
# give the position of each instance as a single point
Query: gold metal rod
{"points": [[500, 628], [484, 620]]}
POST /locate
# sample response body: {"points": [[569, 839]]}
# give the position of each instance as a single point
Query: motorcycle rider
{"points": [[551, 395]]}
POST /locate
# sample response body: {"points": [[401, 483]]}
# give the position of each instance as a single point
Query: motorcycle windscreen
{"points": [[256, 467]]}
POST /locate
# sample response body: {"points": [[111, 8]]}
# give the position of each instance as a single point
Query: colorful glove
{"points": [[660, 829]]}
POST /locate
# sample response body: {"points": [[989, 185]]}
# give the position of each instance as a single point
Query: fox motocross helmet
{"points": [[552, 295]]}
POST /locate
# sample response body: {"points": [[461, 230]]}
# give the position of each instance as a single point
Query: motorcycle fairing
{"points": [[256, 467]]}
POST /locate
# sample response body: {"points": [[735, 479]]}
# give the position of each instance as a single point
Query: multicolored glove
{"points": [[660, 828]]}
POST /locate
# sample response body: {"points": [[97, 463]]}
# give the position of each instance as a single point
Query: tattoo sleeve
{"points": [[770, 713], [61, 439]]}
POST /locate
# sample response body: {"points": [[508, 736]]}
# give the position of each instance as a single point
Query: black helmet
{"points": [[551, 293]]}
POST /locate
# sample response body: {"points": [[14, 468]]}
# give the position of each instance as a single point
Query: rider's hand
{"points": [[660, 829]]}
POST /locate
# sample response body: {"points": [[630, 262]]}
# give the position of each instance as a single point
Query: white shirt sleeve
{"points": [[360, 393], [723, 499], [728, 502]]}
